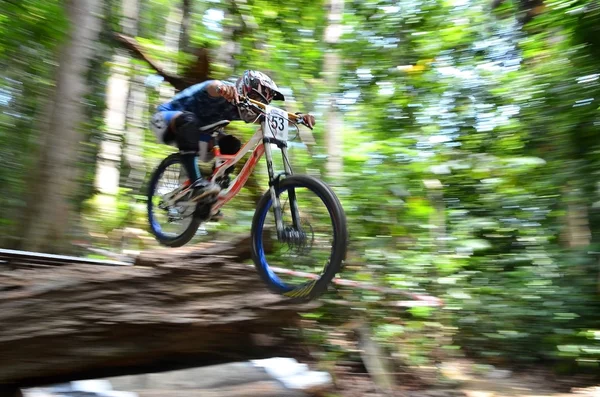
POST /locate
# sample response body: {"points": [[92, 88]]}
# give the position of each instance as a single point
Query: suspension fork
{"points": [[292, 191], [274, 195]]}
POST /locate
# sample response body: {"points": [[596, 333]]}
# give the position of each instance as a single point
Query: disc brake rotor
{"points": [[299, 241]]}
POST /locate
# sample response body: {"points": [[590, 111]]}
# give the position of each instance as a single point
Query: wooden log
{"points": [[237, 249], [203, 378], [256, 389], [288, 373], [87, 321]]}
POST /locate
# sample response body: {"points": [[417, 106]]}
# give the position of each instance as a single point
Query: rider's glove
{"points": [[308, 119]]}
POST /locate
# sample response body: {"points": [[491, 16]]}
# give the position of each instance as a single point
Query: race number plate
{"points": [[276, 124]]}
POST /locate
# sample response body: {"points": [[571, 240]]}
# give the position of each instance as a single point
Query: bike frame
{"points": [[223, 162], [260, 144]]}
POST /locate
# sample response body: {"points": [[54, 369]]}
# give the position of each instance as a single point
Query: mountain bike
{"points": [[295, 232]]}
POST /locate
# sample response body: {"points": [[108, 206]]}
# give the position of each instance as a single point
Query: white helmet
{"points": [[258, 86]]}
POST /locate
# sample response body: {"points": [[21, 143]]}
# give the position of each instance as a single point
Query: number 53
{"points": [[277, 123]]}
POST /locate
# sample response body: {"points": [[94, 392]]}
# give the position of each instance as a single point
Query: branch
{"points": [[199, 70], [178, 82]]}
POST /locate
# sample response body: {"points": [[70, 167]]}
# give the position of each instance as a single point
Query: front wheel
{"points": [[301, 261]]}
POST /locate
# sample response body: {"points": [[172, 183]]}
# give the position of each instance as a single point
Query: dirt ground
{"points": [[474, 380]]}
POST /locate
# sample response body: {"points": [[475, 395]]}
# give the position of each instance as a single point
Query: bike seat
{"points": [[214, 126]]}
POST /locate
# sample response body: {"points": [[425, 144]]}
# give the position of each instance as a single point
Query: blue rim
{"points": [[151, 217], [273, 278], [153, 222]]}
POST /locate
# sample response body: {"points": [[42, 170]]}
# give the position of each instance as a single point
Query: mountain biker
{"points": [[179, 120]]}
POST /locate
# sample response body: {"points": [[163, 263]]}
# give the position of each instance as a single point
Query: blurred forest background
{"points": [[460, 135]]}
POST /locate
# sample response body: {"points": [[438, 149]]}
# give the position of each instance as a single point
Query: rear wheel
{"points": [[302, 263], [173, 225]]}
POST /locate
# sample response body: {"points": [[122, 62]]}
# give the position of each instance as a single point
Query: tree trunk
{"points": [[187, 308], [184, 34], [576, 232], [172, 36], [134, 134], [117, 87], [136, 103], [119, 93], [331, 71], [53, 184], [130, 16], [235, 26]]}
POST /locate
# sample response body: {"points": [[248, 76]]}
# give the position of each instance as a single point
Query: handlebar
{"points": [[296, 118]]}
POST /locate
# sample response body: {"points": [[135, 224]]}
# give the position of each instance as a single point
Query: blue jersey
{"points": [[197, 100]]}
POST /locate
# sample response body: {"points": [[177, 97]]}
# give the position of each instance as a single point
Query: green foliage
{"points": [[470, 155], [499, 117], [30, 34]]}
